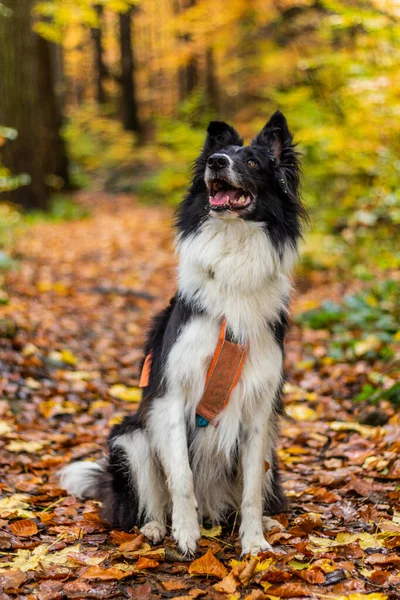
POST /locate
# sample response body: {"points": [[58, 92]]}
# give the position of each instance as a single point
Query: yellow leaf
{"points": [[371, 343], [15, 506], [374, 596], [211, 533], [5, 428], [68, 358], [27, 560], [364, 430], [264, 565], [22, 446], [127, 394], [301, 412]]}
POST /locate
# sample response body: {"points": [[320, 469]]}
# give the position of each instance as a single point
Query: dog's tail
{"points": [[84, 479]]}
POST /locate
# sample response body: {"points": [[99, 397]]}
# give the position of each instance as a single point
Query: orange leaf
{"points": [[24, 528], [228, 585], [311, 575], [120, 537], [97, 572], [132, 545], [208, 565], [309, 521], [246, 574], [146, 563]]}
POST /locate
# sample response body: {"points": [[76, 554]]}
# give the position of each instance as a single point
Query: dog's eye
{"points": [[251, 162]]}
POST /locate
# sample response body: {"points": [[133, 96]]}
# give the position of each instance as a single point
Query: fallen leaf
{"points": [[111, 573], [211, 533], [23, 446], [311, 575], [146, 563], [173, 586], [228, 585], [309, 521], [25, 560], [127, 394], [132, 545], [5, 428], [24, 528], [15, 506], [301, 412], [289, 590], [88, 559], [12, 579], [208, 565], [247, 572]]}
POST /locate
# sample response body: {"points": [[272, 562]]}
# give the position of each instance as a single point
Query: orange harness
{"points": [[222, 377]]}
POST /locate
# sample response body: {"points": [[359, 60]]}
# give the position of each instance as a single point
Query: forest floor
{"points": [[71, 339]]}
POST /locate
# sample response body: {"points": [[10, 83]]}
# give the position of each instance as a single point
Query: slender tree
{"points": [[28, 103], [100, 68], [130, 117]]}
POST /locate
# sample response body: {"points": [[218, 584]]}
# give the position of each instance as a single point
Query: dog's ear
{"points": [[221, 134], [275, 135]]}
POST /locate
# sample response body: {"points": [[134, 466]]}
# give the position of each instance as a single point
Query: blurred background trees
{"points": [[117, 93]]}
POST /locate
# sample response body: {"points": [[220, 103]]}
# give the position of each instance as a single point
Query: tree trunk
{"points": [[212, 90], [100, 68], [188, 75], [28, 104], [130, 116]]}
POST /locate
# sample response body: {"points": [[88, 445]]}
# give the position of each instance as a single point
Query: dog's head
{"points": [[258, 182]]}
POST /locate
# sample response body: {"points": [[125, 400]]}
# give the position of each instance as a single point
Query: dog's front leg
{"points": [[252, 459], [171, 440]]}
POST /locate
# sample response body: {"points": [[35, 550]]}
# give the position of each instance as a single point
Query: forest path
{"points": [[73, 330]]}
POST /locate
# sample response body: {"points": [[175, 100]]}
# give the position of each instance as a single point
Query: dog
{"points": [[238, 229]]}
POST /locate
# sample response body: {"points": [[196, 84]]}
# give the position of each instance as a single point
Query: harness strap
{"points": [[145, 374], [222, 377]]}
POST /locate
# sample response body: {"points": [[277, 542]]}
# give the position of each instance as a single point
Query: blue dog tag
{"points": [[201, 421]]}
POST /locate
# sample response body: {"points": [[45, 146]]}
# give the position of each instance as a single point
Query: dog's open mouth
{"points": [[223, 196]]}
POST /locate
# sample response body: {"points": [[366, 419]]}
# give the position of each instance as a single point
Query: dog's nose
{"points": [[217, 161]]}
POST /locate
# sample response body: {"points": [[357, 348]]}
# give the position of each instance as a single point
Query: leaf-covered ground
{"points": [[71, 338]]}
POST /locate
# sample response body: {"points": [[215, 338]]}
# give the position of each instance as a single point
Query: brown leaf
{"points": [[83, 558], [289, 590], [383, 559], [173, 586], [309, 521], [208, 565], [276, 575], [146, 563], [311, 575], [197, 592], [24, 528], [97, 572], [12, 579]]}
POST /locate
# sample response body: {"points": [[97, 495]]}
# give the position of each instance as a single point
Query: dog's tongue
{"points": [[222, 197], [231, 197]]}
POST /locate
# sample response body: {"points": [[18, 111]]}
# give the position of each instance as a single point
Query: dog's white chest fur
{"points": [[230, 270]]}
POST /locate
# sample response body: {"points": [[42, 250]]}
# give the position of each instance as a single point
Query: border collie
{"points": [[238, 231]]}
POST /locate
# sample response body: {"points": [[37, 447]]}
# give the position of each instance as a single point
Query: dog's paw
{"points": [[154, 531], [269, 523], [255, 545], [186, 533]]}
